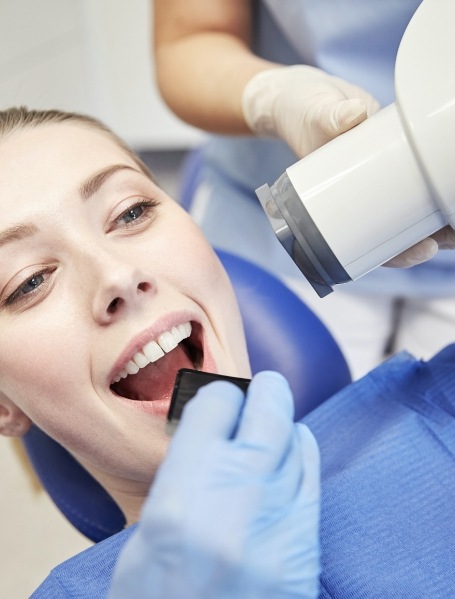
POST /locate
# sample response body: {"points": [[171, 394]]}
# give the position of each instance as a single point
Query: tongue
{"points": [[156, 381]]}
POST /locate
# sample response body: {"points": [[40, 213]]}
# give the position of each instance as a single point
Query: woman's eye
{"points": [[131, 214], [135, 213], [32, 283], [28, 288]]}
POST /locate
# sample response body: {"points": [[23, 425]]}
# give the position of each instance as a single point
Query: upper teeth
{"points": [[151, 352]]}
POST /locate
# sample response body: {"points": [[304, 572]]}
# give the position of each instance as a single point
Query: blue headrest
{"points": [[282, 334]]}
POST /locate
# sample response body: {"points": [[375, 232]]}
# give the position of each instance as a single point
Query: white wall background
{"points": [[90, 56]]}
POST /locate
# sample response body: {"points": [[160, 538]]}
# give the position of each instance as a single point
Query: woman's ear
{"points": [[13, 421]]}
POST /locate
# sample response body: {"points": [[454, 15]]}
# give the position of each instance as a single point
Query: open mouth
{"points": [[150, 374]]}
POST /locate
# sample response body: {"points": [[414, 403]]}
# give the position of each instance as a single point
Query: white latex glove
{"points": [[234, 510], [304, 106]]}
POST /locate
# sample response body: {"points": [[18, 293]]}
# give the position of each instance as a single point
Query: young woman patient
{"points": [[107, 288]]}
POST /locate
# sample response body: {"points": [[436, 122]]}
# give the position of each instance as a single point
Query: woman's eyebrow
{"points": [[89, 187], [16, 233], [93, 183]]}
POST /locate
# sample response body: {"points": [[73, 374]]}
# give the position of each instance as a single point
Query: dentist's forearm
{"points": [[203, 64]]}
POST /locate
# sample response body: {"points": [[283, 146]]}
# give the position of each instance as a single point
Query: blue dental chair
{"points": [[282, 334]]}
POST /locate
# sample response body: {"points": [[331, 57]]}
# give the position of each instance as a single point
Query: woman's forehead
{"points": [[61, 141], [54, 155]]}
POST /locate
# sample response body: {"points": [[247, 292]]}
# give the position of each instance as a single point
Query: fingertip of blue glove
{"points": [[215, 409], [273, 385]]}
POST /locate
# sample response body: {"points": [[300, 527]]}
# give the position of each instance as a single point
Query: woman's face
{"points": [[102, 273]]}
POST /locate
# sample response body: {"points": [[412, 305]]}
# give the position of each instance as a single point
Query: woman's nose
{"points": [[120, 288]]}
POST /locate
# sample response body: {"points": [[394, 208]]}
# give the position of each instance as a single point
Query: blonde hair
{"points": [[18, 118]]}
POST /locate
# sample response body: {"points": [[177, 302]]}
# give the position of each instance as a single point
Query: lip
{"points": [[158, 408], [150, 334]]}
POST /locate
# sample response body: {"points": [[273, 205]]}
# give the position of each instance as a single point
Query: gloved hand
{"points": [[425, 249], [304, 106], [233, 512]]}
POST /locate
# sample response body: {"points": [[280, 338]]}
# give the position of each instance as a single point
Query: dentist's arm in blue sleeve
{"points": [[234, 510]]}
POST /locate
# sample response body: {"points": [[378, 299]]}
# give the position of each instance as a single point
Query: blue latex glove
{"points": [[234, 510]]}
